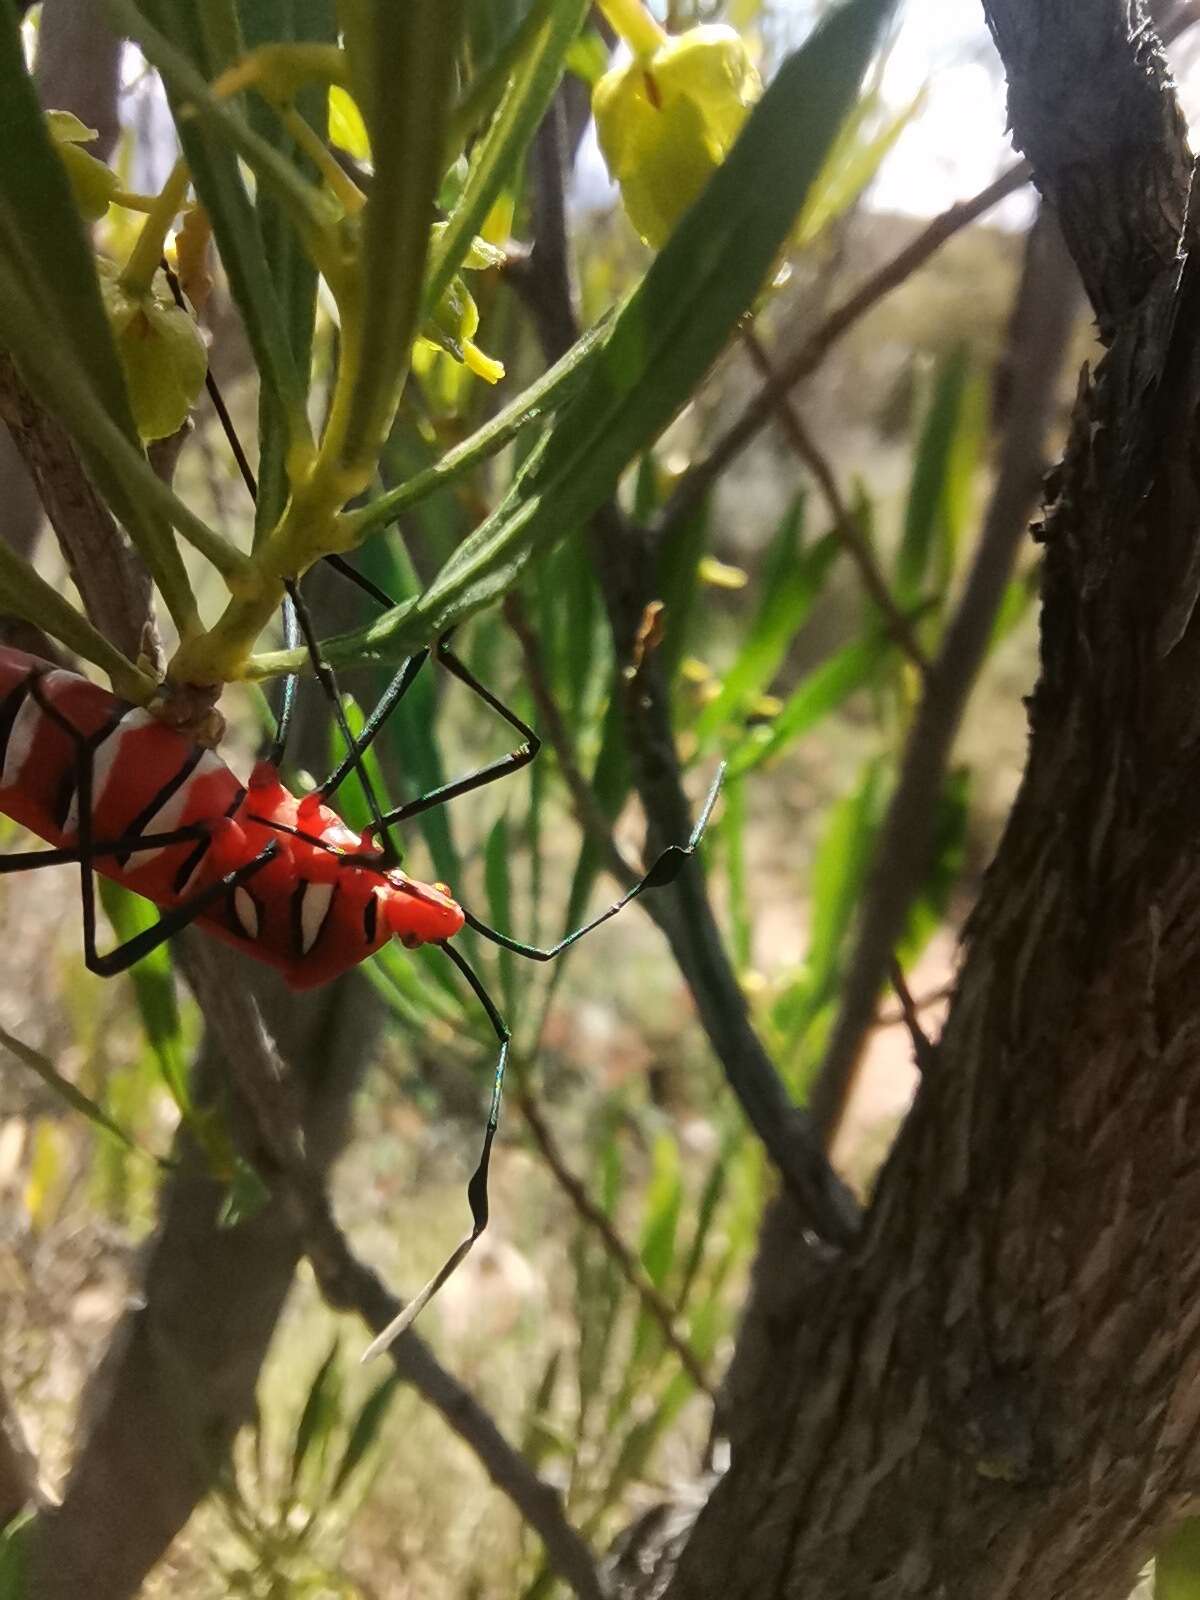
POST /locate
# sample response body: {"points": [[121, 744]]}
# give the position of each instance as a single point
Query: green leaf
{"points": [[69, 1094], [153, 982], [732, 829], [792, 582], [351, 799], [853, 162], [494, 160], [821, 692], [1177, 1564], [402, 60], [245, 1196], [318, 1416], [706, 1211], [15, 1540], [666, 335], [498, 885], [678, 563], [664, 1200], [931, 470], [365, 1430], [291, 270]]}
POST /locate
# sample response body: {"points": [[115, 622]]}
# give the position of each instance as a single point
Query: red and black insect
{"points": [[113, 790]]}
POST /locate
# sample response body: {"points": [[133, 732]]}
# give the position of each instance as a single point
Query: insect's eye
{"points": [[410, 941]]}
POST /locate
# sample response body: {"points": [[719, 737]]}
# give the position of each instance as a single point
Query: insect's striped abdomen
{"points": [[313, 911]]}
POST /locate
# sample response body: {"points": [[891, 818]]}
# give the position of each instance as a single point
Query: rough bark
{"points": [[997, 1392]]}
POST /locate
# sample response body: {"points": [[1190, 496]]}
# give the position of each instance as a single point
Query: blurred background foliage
{"points": [[595, 1318]]}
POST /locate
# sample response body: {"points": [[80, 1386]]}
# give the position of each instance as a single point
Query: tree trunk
{"points": [[997, 1391]]}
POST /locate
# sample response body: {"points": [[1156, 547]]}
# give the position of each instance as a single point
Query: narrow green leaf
{"points": [[821, 692], [68, 1093], [678, 562], [245, 1196], [931, 467], [839, 871], [317, 1416], [498, 885], [15, 1540], [154, 989], [365, 1430], [854, 160], [665, 337], [402, 62], [789, 595], [732, 830], [291, 270], [664, 1200], [495, 158]]}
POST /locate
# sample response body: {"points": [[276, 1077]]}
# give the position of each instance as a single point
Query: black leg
{"points": [[664, 870], [29, 860], [328, 680], [512, 762], [389, 700], [477, 1189]]}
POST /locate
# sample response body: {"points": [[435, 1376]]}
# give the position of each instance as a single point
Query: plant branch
{"points": [[348, 1284], [701, 475], [109, 572], [845, 524], [1039, 335], [621, 557]]}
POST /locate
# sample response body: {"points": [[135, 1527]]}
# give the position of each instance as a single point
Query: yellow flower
{"points": [[454, 320], [666, 121], [162, 352]]}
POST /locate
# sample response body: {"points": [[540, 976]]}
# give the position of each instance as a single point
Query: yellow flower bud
{"points": [[92, 183], [666, 122], [162, 352], [454, 320]]}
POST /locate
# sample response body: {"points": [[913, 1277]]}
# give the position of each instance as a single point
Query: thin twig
{"points": [[1039, 336], [920, 1002], [924, 1050], [348, 1284], [701, 475], [845, 524], [627, 1262]]}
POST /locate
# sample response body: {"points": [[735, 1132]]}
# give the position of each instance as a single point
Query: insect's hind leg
{"points": [[477, 1188], [665, 868], [494, 770]]}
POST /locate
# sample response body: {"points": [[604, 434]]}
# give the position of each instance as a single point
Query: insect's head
{"points": [[421, 913]]}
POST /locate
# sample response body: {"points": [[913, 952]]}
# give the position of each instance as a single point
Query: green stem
{"points": [[25, 594], [146, 257], [318, 152], [635, 25]]}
